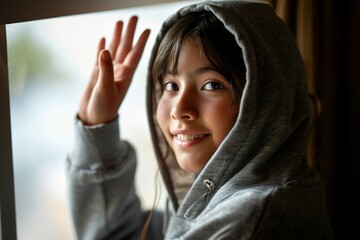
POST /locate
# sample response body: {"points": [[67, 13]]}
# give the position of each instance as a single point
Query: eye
{"points": [[210, 86], [170, 87]]}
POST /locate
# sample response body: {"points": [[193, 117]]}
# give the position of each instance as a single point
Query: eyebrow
{"points": [[196, 72]]}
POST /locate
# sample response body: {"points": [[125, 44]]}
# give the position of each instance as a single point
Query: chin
{"points": [[190, 167]]}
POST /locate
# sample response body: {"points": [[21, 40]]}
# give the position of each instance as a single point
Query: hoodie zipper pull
{"points": [[209, 184], [189, 214]]}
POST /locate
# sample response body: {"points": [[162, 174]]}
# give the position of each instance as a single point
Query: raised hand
{"points": [[112, 74]]}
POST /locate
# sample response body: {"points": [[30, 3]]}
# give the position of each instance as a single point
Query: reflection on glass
{"points": [[49, 64]]}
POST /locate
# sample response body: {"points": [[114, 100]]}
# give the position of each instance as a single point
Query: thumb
{"points": [[106, 73]]}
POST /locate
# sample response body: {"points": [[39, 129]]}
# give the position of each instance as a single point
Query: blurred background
{"points": [[49, 65]]}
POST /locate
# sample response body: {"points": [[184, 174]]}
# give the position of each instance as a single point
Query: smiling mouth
{"points": [[189, 137]]}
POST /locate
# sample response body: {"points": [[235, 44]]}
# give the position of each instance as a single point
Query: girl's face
{"points": [[196, 110]]}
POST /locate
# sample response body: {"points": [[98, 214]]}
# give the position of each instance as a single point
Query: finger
{"points": [[127, 41], [116, 38], [106, 71], [133, 58], [94, 75], [101, 46]]}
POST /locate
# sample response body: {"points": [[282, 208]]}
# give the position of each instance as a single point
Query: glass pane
{"points": [[49, 65]]}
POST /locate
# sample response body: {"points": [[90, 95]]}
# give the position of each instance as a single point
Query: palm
{"points": [[110, 79]]}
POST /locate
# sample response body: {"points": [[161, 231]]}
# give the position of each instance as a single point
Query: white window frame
{"points": [[16, 11]]}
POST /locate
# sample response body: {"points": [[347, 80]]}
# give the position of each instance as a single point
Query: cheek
{"points": [[223, 122]]}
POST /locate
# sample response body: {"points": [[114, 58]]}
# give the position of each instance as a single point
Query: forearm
{"points": [[101, 171]]}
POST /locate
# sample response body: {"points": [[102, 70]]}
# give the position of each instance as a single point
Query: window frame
{"points": [[11, 12]]}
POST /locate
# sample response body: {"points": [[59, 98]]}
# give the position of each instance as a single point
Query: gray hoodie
{"points": [[257, 185]]}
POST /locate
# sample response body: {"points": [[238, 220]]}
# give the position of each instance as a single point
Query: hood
{"points": [[267, 143]]}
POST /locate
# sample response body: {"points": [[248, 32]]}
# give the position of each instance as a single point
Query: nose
{"points": [[185, 107]]}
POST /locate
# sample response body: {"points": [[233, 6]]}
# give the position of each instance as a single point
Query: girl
{"points": [[229, 118]]}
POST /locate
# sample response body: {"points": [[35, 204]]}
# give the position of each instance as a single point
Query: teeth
{"points": [[187, 137]]}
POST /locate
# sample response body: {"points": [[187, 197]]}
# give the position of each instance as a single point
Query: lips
{"points": [[189, 137], [186, 137]]}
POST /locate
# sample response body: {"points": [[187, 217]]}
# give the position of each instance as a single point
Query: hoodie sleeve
{"points": [[100, 173]]}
